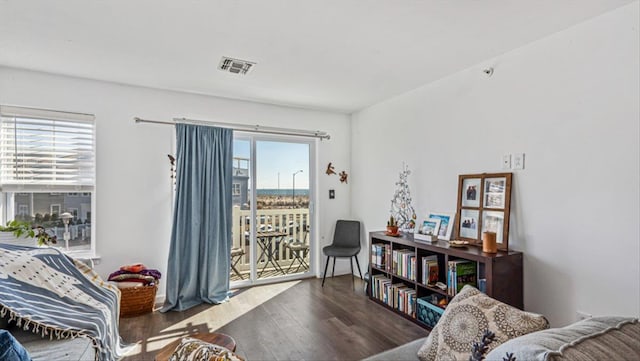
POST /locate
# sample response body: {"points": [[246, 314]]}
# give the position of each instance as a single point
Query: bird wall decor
{"points": [[330, 169], [343, 177]]}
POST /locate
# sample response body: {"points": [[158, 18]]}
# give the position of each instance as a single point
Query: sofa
{"points": [[598, 338], [475, 326], [55, 307]]}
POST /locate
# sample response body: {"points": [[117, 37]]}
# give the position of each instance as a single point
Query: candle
{"points": [[489, 244]]}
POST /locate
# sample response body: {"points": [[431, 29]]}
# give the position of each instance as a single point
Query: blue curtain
{"points": [[199, 255]]}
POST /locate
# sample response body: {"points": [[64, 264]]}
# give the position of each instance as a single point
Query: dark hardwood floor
{"points": [[297, 320]]}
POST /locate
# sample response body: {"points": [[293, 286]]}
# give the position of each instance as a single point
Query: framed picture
{"points": [[446, 224], [471, 192], [484, 202], [469, 223], [493, 221], [429, 227], [494, 192]]}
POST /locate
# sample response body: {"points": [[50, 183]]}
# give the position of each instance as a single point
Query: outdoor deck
{"points": [[276, 229]]}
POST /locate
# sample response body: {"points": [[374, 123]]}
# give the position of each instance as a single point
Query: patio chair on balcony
{"points": [[236, 256], [299, 250]]}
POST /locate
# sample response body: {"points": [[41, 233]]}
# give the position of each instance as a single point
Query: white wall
{"points": [[133, 217], [570, 103]]}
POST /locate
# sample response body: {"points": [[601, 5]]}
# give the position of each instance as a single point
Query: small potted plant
{"points": [[43, 238], [17, 232], [21, 229], [392, 226]]}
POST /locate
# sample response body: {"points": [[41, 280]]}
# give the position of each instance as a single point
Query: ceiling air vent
{"points": [[235, 66]]}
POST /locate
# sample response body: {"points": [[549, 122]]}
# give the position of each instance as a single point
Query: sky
{"points": [[275, 158]]}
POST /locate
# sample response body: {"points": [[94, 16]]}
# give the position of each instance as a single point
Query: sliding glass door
{"points": [[272, 214]]}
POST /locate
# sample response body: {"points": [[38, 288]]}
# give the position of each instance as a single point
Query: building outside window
{"points": [[23, 210], [55, 210], [236, 189], [47, 167]]}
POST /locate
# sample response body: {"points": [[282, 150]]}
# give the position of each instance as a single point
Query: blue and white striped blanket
{"points": [[51, 294]]}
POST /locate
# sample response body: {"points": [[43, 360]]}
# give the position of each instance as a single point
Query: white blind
{"points": [[43, 150]]}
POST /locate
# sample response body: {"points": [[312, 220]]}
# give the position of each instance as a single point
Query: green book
{"points": [[465, 274]]}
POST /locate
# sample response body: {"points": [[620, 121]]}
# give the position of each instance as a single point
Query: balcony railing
{"points": [[80, 237], [294, 222]]}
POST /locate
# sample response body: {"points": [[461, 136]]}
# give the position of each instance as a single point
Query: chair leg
{"points": [[333, 270], [295, 257], [324, 275], [233, 267], [235, 270], [353, 282], [301, 262], [358, 264]]}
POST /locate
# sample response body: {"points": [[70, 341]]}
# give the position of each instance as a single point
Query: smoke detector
{"points": [[235, 66]]}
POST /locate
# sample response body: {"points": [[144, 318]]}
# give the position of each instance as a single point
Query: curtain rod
{"points": [[242, 127]]}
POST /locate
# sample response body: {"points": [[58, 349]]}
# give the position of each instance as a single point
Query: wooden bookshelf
{"points": [[502, 271]]}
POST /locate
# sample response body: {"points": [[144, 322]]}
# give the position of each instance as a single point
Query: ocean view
{"points": [[282, 192]]}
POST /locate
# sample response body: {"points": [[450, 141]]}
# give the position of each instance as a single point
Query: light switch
{"points": [[506, 161], [332, 193], [518, 161]]}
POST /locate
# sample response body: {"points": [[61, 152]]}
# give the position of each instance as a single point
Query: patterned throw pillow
{"points": [[465, 320], [191, 349]]}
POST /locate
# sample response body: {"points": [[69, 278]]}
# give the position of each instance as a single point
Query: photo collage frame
{"points": [[484, 202]]}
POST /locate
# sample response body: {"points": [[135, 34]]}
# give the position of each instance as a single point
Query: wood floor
{"points": [[298, 320]]}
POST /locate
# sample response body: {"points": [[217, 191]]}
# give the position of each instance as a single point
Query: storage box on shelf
{"points": [[403, 271], [428, 313]]}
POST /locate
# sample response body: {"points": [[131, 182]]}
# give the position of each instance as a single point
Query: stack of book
{"points": [[404, 299], [429, 270], [459, 273], [379, 287], [396, 295], [379, 253], [404, 263]]}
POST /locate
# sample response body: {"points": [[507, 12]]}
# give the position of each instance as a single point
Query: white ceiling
{"points": [[338, 55]]}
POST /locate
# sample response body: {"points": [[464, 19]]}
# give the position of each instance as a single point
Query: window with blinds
{"points": [[46, 150], [47, 168]]}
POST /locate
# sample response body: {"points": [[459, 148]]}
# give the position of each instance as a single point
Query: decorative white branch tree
{"points": [[401, 208]]}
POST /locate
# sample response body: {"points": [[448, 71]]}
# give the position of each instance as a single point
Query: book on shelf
{"points": [[432, 267], [379, 255], [450, 277], [374, 254], [430, 270], [404, 263], [466, 274], [411, 303], [392, 297], [387, 296], [460, 273], [406, 300], [378, 286], [482, 285]]}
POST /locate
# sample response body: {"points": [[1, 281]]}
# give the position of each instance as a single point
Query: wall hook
{"points": [[488, 71]]}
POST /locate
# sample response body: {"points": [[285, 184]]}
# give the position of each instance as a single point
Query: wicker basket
{"points": [[136, 301]]}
